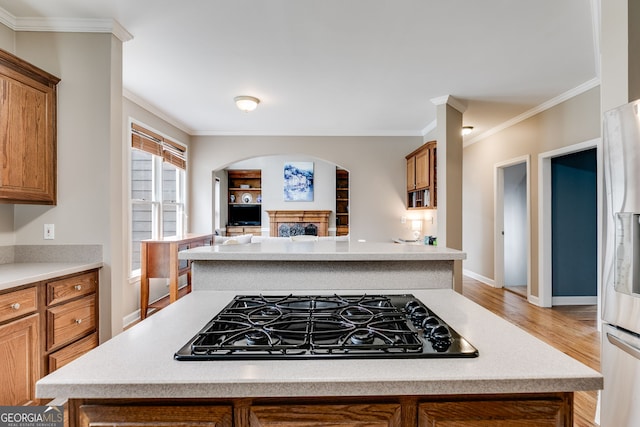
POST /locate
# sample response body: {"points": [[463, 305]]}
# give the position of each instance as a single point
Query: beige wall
{"points": [[89, 66], [376, 164], [7, 39], [571, 122]]}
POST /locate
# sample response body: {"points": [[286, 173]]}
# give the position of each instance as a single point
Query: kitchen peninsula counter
{"points": [[325, 264], [138, 363]]}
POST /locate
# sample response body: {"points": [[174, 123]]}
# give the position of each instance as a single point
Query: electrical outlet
{"points": [[403, 219], [49, 232]]}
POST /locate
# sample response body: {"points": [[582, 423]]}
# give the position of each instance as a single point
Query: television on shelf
{"points": [[245, 214]]}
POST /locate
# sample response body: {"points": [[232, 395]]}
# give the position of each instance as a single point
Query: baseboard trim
{"points": [[534, 300], [479, 277], [574, 300], [130, 319]]}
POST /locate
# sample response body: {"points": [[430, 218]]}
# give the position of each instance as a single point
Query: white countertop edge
{"points": [[18, 274], [320, 389], [321, 251]]}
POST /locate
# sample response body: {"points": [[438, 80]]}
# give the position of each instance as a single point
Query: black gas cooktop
{"points": [[325, 326]]}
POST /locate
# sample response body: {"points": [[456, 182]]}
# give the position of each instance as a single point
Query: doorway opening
{"points": [[513, 235], [568, 229]]}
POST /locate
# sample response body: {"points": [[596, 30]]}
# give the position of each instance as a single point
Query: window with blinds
{"points": [[157, 180]]}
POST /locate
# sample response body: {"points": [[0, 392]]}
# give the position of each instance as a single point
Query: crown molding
{"points": [[7, 19], [65, 25], [428, 128], [589, 84], [450, 100], [345, 132]]}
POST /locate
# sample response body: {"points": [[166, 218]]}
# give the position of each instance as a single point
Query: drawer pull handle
{"points": [[77, 287], [15, 306], [78, 321]]}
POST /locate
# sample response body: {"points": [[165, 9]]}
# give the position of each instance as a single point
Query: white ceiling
{"points": [[340, 67]]}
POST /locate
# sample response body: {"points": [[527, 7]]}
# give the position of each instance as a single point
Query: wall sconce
{"points": [[246, 103], [466, 130]]}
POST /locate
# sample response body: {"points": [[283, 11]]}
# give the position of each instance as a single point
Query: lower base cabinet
{"points": [[19, 366], [43, 326], [520, 410], [149, 415], [510, 413]]}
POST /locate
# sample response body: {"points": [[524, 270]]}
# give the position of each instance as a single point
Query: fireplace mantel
{"points": [[319, 218]]}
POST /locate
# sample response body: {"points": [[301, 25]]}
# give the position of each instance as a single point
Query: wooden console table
{"points": [[159, 259]]}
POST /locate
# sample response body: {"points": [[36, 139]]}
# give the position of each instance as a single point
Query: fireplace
{"points": [[289, 223]]}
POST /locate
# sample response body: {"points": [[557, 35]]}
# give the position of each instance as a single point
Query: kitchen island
{"points": [[326, 264], [134, 377]]}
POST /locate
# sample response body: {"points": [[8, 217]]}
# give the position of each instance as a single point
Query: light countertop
{"points": [[138, 363], [23, 273], [323, 250]]}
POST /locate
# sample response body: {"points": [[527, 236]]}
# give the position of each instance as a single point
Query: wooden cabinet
{"points": [[512, 410], [18, 303], [43, 326], [244, 200], [350, 415], [19, 349], [524, 412], [71, 318], [245, 182], [58, 359], [155, 415], [238, 230], [28, 137], [160, 260], [342, 202], [422, 177]]}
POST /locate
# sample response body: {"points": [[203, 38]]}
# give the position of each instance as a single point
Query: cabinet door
{"points": [[27, 143], [411, 173], [422, 169], [369, 415], [149, 415], [19, 369], [496, 413]]}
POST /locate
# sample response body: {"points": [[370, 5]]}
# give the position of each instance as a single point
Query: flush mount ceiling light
{"points": [[246, 103], [466, 130]]}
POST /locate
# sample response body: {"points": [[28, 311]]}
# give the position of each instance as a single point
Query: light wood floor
{"points": [[570, 329]]}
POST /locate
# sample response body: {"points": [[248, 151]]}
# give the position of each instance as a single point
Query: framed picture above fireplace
{"points": [[298, 182]]}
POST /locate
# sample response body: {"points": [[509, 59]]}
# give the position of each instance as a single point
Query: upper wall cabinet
{"points": [[27, 132], [421, 177]]}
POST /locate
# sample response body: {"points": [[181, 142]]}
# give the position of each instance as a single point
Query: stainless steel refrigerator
{"points": [[620, 357]]}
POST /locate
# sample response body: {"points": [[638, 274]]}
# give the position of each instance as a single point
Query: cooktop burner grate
{"points": [[325, 326]]}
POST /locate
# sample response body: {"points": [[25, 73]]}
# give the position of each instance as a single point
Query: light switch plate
{"points": [[49, 232]]}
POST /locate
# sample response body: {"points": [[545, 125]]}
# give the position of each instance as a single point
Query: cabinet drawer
{"points": [[65, 289], [67, 322], [71, 352], [17, 303]]}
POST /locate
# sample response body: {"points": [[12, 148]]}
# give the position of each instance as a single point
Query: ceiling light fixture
{"points": [[246, 103], [466, 130]]}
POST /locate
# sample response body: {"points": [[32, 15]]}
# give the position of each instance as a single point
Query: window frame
{"points": [[157, 203]]}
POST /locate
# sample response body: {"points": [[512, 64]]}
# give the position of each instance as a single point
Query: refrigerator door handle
{"points": [[624, 346]]}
